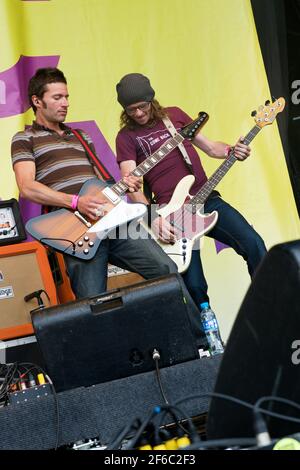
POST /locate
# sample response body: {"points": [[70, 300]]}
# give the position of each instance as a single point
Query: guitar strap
{"points": [[101, 172], [99, 168], [171, 128]]}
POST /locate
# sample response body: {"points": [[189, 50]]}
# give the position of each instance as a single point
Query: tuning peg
{"points": [[254, 113], [267, 102]]}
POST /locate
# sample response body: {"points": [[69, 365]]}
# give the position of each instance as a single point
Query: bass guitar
{"points": [[185, 212], [72, 233]]}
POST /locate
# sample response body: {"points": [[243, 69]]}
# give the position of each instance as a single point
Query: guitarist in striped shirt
{"points": [[51, 166]]}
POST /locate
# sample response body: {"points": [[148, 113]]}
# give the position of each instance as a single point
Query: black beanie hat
{"points": [[133, 88]]}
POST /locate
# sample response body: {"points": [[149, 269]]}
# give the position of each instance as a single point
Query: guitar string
{"points": [[155, 158], [191, 206], [150, 162]]}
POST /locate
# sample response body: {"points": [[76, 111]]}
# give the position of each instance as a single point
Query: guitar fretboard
{"points": [[216, 177], [121, 187]]}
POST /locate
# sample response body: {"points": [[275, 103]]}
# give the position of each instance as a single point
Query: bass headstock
{"points": [[190, 130], [266, 114]]}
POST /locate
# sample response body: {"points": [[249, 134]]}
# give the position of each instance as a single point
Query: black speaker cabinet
{"points": [[261, 357], [114, 335]]}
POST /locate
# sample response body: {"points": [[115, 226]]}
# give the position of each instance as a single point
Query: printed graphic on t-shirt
{"points": [[151, 142]]}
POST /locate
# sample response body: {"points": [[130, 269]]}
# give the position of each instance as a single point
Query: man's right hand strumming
{"points": [[91, 206], [163, 230]]}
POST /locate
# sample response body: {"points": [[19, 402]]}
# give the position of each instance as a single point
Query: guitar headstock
{"points": [[190, 130], [265, 115]]}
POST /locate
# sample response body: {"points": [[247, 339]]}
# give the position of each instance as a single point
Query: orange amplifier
{"points": [[24, 268]]}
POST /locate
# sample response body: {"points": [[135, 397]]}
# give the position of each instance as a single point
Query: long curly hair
{"points": [[157, 113]]}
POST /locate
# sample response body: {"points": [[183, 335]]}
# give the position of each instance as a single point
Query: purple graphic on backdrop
{"points": [[14, 83], [104, 152], [220, 246]]}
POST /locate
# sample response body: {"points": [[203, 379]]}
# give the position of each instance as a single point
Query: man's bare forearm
{"points": [[41, 194]]}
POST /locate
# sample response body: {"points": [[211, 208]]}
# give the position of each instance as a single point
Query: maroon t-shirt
{"points": [[140, 143]]}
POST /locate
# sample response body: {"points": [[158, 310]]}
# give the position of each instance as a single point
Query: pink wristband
{"points": [[74, 202], [227, 151]]}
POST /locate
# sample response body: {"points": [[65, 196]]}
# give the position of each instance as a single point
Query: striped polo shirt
{"points": [[60, 160]]}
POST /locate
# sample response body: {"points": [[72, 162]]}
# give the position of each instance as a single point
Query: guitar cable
{"points": [[37, 295], [156, 358], [61, 239]]}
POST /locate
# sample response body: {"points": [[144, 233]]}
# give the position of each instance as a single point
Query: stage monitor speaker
{"points": [[260, 357], [114, 335], [24, 268]]}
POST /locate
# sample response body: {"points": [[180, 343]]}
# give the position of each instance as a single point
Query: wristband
{"points": [[74, 202], [227, 151]]}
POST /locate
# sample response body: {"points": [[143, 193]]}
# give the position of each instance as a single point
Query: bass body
{"points": [[191, 221]]}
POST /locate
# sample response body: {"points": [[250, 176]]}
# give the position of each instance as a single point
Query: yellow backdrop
{"points": [[199, 55]]}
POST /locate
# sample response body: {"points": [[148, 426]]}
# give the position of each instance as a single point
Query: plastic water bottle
{"points": [[211, 329]]}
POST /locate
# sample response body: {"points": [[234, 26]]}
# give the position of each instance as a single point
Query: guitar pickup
{"points": [[111, 195], [82, 219]]}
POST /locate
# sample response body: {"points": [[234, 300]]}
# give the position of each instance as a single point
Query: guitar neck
{"points": [[216, 177], [121, 187]]}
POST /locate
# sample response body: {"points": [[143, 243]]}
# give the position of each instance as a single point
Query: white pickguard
{"points": [[122, 213], [181, 251]]}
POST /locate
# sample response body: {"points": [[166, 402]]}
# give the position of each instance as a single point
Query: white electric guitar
{"points": [[185, 212]]}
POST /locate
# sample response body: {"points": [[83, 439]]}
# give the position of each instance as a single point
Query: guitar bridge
{"points": [[82, 219]]}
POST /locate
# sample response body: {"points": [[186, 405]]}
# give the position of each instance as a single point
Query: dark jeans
{"points": [[145, 257], [233, 230]]}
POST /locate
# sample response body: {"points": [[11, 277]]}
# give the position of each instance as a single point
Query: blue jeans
{"points": [[233, 230], [142, 256]]}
